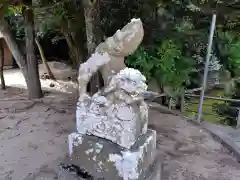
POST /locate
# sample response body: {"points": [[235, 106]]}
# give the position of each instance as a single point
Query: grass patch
{"points": [[209, 114]]}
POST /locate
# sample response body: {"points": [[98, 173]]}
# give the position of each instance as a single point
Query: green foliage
{"points": [[229, 46], [172, 68], [142, 60], [58, 17], [185, 25], [164, 62], [174, 46], [229, 111], [51, 19], [209, 113], [13, 15]]}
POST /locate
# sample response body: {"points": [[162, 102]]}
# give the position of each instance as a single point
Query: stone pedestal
{"points": [[154, 172], [119, 123], [104, 159]]}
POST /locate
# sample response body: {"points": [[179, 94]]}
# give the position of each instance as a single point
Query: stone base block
{"points": [[153, 173], [104, 159], [119, 123]]}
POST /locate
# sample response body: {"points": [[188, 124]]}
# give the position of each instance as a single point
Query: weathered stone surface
{"points": [[104, 159], [123, 43], [119, 113], [154, 172], [112, 140], [88, 69]]}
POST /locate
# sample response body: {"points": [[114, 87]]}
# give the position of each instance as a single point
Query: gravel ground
{"points": [[33, 134], [189, 152], [33, 138]]}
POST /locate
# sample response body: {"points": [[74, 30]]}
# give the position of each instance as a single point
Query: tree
{"points": [[84, 23], [13, 46], [33, 80], [65, 18], [165, 63], [79, 23], [227, 46], [92, 30], [28, 65], [2, 65], [44, 60]]}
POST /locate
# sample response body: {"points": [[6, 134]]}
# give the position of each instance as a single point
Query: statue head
{"points": [[130, 80], [125, 41]]}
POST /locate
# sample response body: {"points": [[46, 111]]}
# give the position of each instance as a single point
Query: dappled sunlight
{"points": [[14, 78]]}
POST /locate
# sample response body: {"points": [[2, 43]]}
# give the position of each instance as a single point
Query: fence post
{"points": [[238, 119], [182, 101]]}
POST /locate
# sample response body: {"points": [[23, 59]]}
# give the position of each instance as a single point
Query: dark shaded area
{"points": [[14, 63], [55, 50], [78, 171], [230, 110]]}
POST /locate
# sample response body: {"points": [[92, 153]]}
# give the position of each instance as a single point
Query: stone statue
{"points": [[111, 54], [123, 43], [112, 138], [118, 113]]}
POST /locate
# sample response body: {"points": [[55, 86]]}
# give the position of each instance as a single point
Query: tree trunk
{"points": [[91, 14], [76, 52], [33, 80], [20, 58], [2, 64], [44, 60], [13, 46]]}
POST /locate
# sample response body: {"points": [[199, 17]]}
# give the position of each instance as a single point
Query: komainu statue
{"points": [[118, 112], [112, 139]]}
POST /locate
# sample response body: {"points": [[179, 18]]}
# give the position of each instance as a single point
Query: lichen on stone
{"points": [[74, 139], [118, 112]]}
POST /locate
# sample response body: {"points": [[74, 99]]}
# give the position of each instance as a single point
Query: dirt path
{"points": [[34, 134], [189, 152], [14, 78]]}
